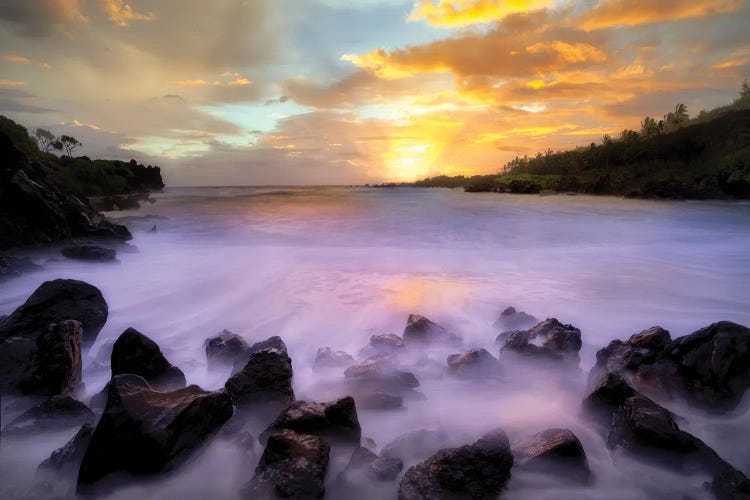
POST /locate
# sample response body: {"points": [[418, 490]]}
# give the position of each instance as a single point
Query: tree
{"points": [[649, 127], [45, 138], [70, 144], [745, 92], [681, 114]]}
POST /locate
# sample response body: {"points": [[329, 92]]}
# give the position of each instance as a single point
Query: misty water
{"points": [[333, 266]]}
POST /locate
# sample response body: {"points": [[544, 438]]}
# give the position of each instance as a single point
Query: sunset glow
{"points": [[334, 92]]}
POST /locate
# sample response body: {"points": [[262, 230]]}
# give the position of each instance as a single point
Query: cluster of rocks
{"points": [[35, 211], [150, 421]]}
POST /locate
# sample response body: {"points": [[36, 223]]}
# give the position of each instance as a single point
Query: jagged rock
{"points": [[145, 432], [335, 421], [606, 396], [136, 354], [56, 301], [549, 339], [382, 345], [476, 471], [293, 466], [66, 461], [503, 336], [266, 380], [89, 251], [47, 366], [379, 401], [418, 444], [270, 343], [474, 364], [421, 330], [224, 348], [33, 210], [55, 414], [730, 484], [328, 358], [709, 368], [385, 468], [556, 451], [379, 375], [510, 319]]}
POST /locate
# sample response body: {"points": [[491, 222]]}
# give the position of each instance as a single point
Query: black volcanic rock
{"points": [[475, 364], [380, 375], [510, 319], [549, 339], [328, 358], [136, 354], [264, 381], [335, 421], [144, 432], [55, 414], [66, 461], [709, 368], [270, 343], [47, 366], [34, 211], [553, 451], [293, 466], [56, 301], [224, 348], [420, 330], [89, 251], [476, 471]]}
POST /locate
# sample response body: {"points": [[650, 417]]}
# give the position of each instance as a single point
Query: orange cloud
{"points": [[12, 58], [11, 83], [569, 53], [236, 81], [452, 13], [122, 13], [610, 13]]}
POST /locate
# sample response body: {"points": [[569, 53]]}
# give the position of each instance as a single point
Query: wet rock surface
{"points": [[293, 465], [225, 348], [553, 451], [549, 339], [270, 343], [380, 375], [328, 358], [136, 354], [265, 380], [56, 301], [510, 319], [55, 414], [476, 364], [145, 432], [336, 421], [475, 471], [420, 330]]}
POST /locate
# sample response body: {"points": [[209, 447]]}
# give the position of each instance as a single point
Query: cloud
{"points": [[453, 13], [11, 83], [122, 13], [608, 13], [41, 17], [12, 58]]}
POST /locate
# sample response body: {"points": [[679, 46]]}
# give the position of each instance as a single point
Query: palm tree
{"points": [[681, 114]]}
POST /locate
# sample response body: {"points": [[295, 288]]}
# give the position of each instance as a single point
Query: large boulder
{"points": [[265, 381], [224, 348], [46, 366], [145, 432], [293, 466], [56, 301], [476, 471], [553, 451], [606, 396], [510, 319], [475, 364], [55, 414], [66, 461], [709, 368], [549, 339], [420, 330], [89, 251], [379, 401], [335, 421], [379, 375], [270, 343], [381, 345], [328, 358], [136, 354]]}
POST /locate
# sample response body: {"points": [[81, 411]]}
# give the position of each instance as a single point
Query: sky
{"points": [[257, 92]]}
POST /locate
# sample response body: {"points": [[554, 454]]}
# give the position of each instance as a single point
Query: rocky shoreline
{"points": [[147, 422]]}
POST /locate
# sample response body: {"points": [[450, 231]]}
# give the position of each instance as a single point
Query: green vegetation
{"points": [[80, 175], [676, 157]]}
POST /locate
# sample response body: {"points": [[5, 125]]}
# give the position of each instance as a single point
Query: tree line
{"points": [[49, 143]]}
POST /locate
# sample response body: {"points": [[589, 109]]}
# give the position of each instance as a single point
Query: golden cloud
{"points": [[453, 13], [610, 13], [122, 13]]}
